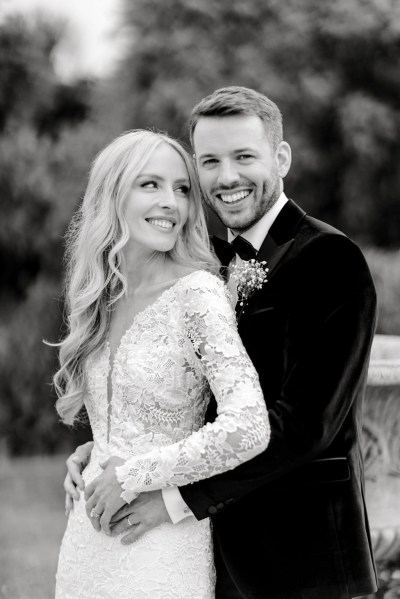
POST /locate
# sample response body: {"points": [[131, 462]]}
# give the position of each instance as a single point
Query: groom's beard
{"points": [[250, 213]]}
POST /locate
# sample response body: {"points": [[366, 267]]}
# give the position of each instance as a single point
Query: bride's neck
{"points": [[143, 272]]}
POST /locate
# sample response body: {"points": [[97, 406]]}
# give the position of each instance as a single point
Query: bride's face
{"points": [[158, 205]]}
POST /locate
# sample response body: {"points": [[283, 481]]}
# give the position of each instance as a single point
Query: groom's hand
{"points": [[103, 496], [145, 513], [73, 482]]}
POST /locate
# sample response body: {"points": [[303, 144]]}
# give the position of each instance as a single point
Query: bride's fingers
{"points": [[94, 512], [95, 520], [126, 510], [111, 507]]}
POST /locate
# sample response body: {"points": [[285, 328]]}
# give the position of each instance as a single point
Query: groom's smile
{"points": [[233, 197]]}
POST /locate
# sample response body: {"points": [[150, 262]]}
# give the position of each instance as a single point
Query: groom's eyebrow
{"points": [[245, 149], [206, 155], [234, 151]]}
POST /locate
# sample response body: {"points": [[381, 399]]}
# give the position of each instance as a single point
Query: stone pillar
{"points": [[381, 447]]}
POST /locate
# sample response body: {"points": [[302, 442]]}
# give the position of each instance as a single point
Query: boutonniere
{"points": [[249, 277]]}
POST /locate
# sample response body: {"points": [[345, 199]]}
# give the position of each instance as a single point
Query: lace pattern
{"points": [[206, 329], [177, 350]]}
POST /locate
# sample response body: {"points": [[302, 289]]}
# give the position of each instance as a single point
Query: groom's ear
{"points": [[283, 157]]}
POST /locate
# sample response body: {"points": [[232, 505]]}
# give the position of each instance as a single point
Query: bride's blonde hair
{"points": [[95, 239]]}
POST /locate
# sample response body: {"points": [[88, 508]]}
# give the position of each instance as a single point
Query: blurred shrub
{"points": [[43, 168], [385, 269], [331, 67]]}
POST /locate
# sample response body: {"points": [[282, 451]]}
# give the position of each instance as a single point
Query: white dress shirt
{"points": [[174, 503]]}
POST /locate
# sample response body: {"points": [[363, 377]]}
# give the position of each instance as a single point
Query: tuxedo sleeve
{"points": [[328, 335]]}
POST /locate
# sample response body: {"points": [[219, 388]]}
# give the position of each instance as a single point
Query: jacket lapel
{"points": [[281, 236], [273, 253], [274, 247]]}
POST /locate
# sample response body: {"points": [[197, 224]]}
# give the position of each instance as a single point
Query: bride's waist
{"points": [[103, 450], [126, 445]]}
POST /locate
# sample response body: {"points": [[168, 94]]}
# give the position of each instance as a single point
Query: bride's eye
{"points": [[149, 184], [184, 189]]}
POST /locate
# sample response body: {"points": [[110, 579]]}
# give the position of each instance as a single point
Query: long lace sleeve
{"points": [[241, 429]]}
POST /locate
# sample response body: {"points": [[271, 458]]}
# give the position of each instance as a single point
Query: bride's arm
{"points": [[241, 429]]}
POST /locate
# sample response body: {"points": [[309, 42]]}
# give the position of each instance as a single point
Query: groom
{"points": [[292, 522]]}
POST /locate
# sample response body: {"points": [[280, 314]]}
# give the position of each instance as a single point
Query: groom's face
{"points": [[238, 169]]}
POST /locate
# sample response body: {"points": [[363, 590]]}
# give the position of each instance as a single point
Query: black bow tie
{"points": [[244, 248]]}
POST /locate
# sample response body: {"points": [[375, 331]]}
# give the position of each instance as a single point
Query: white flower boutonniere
{"points": [[249, 276]]}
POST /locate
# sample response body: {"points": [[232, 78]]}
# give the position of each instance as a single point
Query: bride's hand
{"points": [[73, 482], [103, 495]]}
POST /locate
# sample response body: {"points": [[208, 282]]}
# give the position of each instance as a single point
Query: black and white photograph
{"points": [[199, 299]]}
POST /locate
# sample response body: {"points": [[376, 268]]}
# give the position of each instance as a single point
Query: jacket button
{"points": [[212, 509]]}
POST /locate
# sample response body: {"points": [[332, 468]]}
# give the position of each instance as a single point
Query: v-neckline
{"points": [[111, 360]]}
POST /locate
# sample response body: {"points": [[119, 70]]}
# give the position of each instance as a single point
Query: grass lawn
{"points": [[32, 523]]}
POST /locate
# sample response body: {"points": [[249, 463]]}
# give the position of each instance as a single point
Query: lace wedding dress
{"points": [[178, 350]]}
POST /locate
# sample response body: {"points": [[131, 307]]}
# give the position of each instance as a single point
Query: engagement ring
{"points": [[94, 514], [129, 522]]}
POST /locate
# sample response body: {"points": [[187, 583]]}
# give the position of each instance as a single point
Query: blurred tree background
{"points": [[333, 68]]}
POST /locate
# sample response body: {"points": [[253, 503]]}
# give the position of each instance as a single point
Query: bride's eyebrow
{"points": [[185, 180], [149, 176]]}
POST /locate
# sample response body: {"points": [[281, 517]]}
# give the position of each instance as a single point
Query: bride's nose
{"points": [[167, 199]]}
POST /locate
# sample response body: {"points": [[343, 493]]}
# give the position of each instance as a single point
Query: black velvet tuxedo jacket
{"points": [[292, 523]]}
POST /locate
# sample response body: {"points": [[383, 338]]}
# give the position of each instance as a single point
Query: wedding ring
{"points": [[94, 514], [129, 522]]}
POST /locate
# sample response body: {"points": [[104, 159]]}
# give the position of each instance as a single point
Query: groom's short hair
{"points": [[236, 100]]}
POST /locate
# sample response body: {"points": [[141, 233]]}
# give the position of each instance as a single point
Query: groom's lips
{"points": [[233, 197]]}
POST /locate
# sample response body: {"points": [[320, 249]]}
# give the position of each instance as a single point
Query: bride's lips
{"points": [[162, 223]]}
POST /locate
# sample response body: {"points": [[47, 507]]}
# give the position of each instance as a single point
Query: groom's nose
{"points": [[227, 173]]}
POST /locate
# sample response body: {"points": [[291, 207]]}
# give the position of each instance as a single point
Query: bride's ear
{"points": [[283, 158]]}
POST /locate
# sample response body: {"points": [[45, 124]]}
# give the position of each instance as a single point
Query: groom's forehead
{"points": [[228, 133]]}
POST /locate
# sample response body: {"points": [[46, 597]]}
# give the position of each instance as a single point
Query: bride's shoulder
{"points": [[202, 279], [202, 290]]}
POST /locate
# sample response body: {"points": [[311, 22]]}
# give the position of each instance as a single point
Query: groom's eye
{"points": [[209, 162]]}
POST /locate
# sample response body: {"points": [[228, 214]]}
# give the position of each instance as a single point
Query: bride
{"points": [[151, 334]]}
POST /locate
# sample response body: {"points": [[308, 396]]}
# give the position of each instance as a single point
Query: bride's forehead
{"points": [[165, 160]]}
